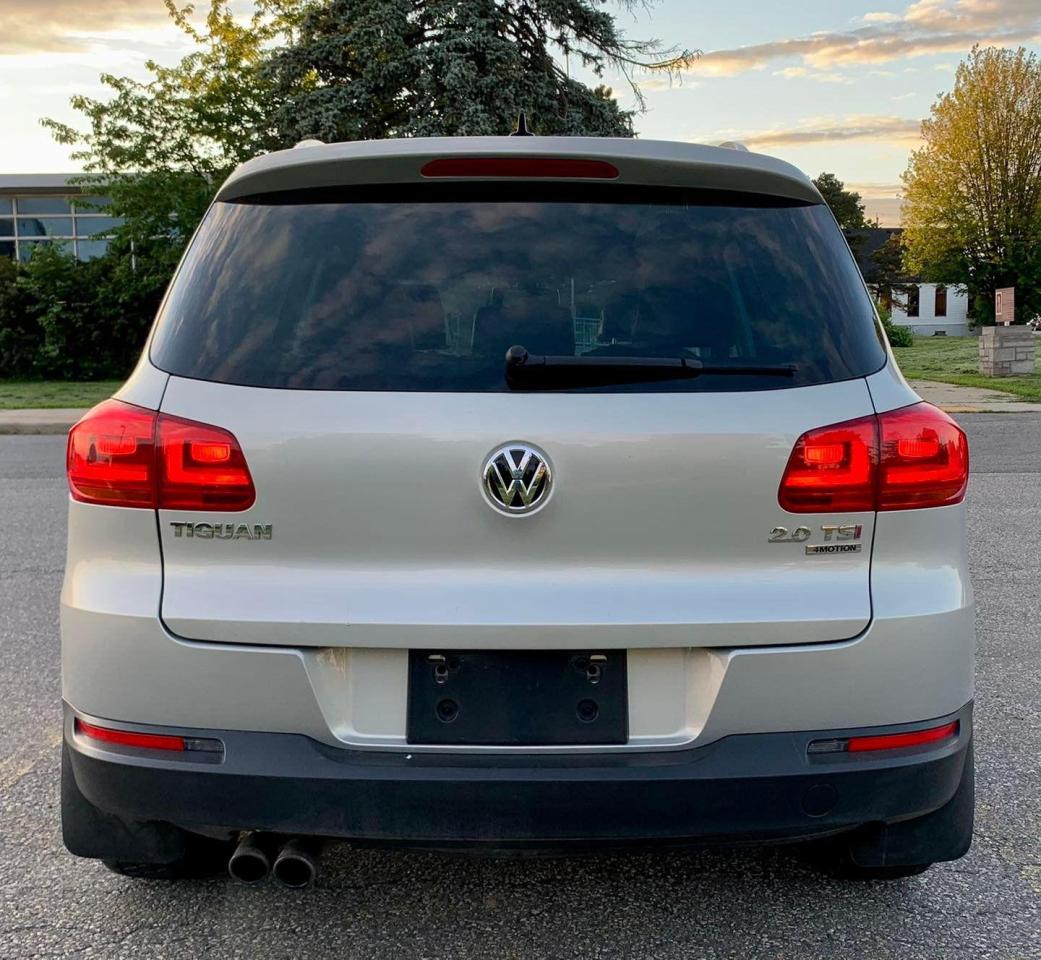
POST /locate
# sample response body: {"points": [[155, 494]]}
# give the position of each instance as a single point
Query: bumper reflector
{"points": [[885, 741], [146, 741]]}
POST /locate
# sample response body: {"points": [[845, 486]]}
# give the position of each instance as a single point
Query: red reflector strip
{"points": [[892, 741], [126, 738], [554, 168]]}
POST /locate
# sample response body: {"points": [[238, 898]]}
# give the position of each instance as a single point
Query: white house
{"points": [[929, 308]]}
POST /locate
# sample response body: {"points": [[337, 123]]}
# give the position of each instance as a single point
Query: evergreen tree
{"points": [[368, 69], [847, 205]]}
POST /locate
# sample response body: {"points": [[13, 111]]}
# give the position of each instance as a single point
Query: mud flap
{"points": [[90, 832], [944, 834]]}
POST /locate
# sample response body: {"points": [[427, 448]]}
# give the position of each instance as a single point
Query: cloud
{"points": [[68, 25], [830, 130], [924, 27], [805, 73], [877, 191]]}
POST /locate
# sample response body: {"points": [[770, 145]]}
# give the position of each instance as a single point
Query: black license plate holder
{"points": [[517, 698]]}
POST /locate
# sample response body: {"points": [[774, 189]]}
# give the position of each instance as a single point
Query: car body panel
{"points": [[649, 162], [655, 535]]}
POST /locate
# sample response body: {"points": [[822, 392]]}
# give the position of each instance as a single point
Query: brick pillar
{"points": [[1007, 351]]}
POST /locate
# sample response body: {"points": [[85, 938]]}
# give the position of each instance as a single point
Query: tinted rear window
{"points": [[425, 289]]}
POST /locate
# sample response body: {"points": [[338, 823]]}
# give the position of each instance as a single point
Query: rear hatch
{"points": [[354, 343]]}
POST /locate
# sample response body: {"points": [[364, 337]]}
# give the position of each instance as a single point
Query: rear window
{"points": [[425, 288]]}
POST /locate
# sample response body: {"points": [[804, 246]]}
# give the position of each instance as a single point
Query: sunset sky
{"points": [[837, 85]]}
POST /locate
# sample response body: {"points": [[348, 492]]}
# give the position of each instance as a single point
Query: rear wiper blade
{"points": [[525, 371]]}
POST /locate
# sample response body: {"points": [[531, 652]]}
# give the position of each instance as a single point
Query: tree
{"points": [[973, 190], [845, 204], [159, 148], [887, 273], [368, 69]]}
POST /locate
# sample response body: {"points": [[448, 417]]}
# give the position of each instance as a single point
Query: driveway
{"points": [[750, 904]]}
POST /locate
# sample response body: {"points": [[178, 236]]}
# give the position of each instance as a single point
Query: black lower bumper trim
{"points": [[762, 786]]}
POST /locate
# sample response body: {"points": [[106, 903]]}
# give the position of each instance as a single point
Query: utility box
{"points": [[1007, 351]]}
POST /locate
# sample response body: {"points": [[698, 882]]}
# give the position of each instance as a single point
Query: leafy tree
{"points": [[845, 204], [973, 191], [368, 69], [888, 273], [160, 147]]}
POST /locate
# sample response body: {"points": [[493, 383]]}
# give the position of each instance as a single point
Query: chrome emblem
{"points": [[517, 478]]}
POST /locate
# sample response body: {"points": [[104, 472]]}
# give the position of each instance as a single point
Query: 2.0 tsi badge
{"points": [[517, 478]]}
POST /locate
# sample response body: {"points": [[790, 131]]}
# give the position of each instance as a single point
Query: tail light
{"points": [[111, 456], [553, 168], [125, 456], [901, 460]]}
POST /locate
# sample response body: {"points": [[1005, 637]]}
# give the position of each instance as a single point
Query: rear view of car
{"points": [[496, 493]]}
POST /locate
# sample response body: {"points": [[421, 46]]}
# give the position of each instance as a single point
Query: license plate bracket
{"points": [[517, 698]]}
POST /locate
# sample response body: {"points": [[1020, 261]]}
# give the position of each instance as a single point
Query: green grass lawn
{"points": [[956, 360], [19, 394]]}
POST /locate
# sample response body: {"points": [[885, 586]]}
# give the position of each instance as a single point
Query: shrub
{"points": [[897, 336], [68, 320], [20, 333]]}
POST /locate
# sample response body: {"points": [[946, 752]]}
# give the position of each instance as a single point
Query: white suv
{"points": [[516, 492]]}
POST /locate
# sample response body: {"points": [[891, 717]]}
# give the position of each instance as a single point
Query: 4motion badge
{"points": [[838, 537]]}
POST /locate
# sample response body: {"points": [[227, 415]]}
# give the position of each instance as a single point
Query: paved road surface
{"points": [[747, 904]]}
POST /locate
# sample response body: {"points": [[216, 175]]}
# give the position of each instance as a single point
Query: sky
{"points": [[836, 85]]}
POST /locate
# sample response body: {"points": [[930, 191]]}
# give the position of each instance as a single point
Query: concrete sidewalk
{"points": [[946, 396], [39, 421], [971, 399]]}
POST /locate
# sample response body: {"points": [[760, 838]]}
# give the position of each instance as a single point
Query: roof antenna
{"points": [[522, 127]]}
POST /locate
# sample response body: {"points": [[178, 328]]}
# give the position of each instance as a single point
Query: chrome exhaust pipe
{"points": [[297, 863], [251, 861]]}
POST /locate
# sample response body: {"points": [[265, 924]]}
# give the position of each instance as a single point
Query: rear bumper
{"points": [[747, 787]]}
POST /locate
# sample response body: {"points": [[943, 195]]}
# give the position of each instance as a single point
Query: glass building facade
{"points": [[47, 210]]}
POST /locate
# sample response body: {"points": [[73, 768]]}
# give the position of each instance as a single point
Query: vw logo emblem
{"points": [[517, 478]]}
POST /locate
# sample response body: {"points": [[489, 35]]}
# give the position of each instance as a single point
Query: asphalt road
{"points": [[747, 904]]}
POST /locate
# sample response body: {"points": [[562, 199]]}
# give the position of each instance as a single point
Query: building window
{"points": [[941, 301], [75, 224], [913, 298]]}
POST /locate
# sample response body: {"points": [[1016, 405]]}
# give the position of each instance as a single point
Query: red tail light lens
{"points": [[201, 468], [901, 460], [125, 456], [552, 168], [832, 470], [111, 456], [925, 459]]}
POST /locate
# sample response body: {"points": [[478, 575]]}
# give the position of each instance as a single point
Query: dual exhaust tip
{"points": [[294, 864]]}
